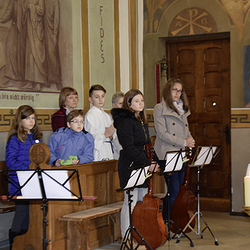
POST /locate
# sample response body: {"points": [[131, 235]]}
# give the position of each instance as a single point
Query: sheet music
{"points": [[32, 189], [171, 160], [53, 190], [205, 156], [137, 177]]}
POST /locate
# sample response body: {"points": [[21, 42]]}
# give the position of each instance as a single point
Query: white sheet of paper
{"points": [[135, 174], [52, 189], [171, 159], [205, 156], [32, 189]]}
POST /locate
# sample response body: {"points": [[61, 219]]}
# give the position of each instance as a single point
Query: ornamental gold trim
{"points": [[43, 118]]}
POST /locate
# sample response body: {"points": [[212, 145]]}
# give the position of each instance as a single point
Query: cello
{"points": [[147, 215], [182, 209]]}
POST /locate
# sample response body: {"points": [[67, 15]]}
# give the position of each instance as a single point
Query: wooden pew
{"points": [[78, 224], [98, 179], [2, 167], [5, 206]]}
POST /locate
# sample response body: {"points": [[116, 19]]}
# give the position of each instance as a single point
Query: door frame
{"points": [[218, 204]]}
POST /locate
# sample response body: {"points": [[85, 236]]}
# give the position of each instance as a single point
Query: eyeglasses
{"points": [[179, 91], [78, 122]]}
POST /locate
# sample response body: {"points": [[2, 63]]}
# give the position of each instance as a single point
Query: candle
{"points": [[247, 190]]}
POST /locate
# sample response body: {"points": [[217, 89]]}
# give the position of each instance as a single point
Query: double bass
{"points": [[147, 216], [182, 209]]}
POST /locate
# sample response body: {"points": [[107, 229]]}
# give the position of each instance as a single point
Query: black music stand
{"points": [[43, 184], [137, 178], [203, 157], [174, 163]]}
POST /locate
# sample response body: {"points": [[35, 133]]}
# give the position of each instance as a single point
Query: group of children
{"points": [[97, 140], [69, 144], [100, 141]]}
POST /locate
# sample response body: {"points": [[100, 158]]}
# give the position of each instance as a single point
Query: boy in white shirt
{"points": [[100, 125]]}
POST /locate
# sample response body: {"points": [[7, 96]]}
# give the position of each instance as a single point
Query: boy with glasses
{"points": [[71, 145]]}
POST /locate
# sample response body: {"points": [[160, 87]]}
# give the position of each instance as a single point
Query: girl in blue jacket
{"points": [[23, 134]]}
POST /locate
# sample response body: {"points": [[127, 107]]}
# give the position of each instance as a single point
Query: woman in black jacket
{"points": [[132, 131]]}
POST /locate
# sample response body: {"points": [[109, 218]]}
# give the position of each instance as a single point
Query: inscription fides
{"points": [[102, 36]]}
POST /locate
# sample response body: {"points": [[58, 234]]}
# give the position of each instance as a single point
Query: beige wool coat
{"points": [[171, 129]]}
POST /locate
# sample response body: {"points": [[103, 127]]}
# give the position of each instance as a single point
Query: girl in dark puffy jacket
{"points": [[23, 134], [132, 130]]}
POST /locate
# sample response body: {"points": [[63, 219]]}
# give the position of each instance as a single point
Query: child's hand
{"points": [[58, 163], [74, 162], [153, 167], [109, 131]]}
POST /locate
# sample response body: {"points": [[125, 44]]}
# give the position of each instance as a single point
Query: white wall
{"points": [[3, 139], [240, 145]]}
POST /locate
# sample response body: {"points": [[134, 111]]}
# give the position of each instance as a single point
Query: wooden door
{"points": [[204, 68]]}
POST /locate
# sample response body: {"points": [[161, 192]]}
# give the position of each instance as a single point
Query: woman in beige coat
{"points": [[172, 131]]}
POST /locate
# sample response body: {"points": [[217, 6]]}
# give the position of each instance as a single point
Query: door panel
{"points": [[204, 68]]}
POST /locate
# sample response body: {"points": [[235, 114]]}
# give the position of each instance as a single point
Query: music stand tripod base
{"points": [[169, 221], [199, 216], [204, 155], [174, 162], [127, 242], [137, 178], [198, 232]]}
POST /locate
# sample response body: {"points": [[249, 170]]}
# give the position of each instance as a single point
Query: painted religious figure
{"points": [[31, 47]]}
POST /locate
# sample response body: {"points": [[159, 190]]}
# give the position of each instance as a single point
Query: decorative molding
{"points": [[85, 55], [43, 118], [117, 46], [240, 118]]}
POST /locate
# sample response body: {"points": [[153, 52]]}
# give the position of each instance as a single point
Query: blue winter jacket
{"points": [[65, 142], [17, 157]]}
